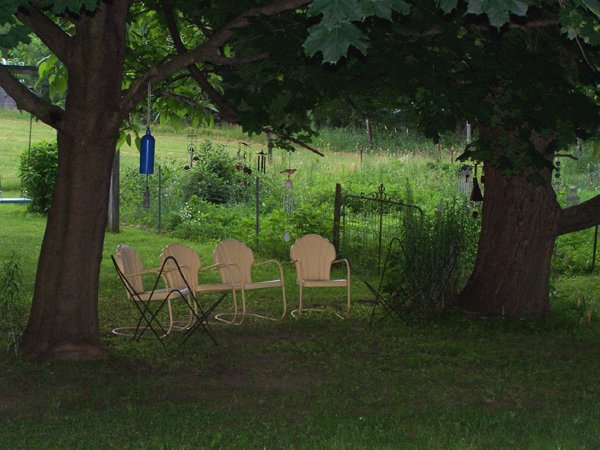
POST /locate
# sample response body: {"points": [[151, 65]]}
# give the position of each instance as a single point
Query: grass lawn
{"points": [[317, 382]]}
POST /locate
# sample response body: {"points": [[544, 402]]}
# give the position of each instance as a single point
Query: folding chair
{"points": [[128, 264]]}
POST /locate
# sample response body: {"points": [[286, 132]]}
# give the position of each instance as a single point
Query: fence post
{"points": [[159, 199], [337, 213]]}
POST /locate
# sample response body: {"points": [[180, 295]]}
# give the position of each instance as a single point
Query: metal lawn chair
{"points": [[235, 262], [313, 256]]}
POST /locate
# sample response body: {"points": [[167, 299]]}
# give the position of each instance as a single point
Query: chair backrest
{"points": [[233, 251], [189, 262], [130, 262], [316, 254]]}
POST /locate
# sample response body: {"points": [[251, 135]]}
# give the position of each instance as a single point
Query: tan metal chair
{"points": [[313, 256], [236, 261], [130, 269], [192, 270]]}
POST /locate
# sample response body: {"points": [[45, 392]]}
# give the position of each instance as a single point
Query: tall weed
{"points": [[431, 263], [12, 312]]}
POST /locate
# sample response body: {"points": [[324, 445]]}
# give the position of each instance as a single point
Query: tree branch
{"points": [[579, 217], [293, 140], [208, 51], [226, 111], [187, 101], [49, 114], [240, 61], [51, 34]]}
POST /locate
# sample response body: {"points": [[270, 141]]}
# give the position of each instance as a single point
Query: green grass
{"points": [[317, 382]]}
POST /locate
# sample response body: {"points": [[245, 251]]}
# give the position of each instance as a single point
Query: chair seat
{"points": [[159, 294], [260, 285], [323, 283], [213, 287]]}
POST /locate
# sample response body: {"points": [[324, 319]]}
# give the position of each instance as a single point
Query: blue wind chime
{"points": [[147, 151]]}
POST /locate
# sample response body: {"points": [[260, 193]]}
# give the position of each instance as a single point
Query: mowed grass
{"points": [[317, 382]]}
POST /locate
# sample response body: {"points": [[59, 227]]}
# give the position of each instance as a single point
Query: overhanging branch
{"points": [[187, 101], [579, 217], [28, 101], [208, 51], [287, 137], [49, 32]]}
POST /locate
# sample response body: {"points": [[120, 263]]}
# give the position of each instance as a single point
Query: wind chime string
{"points": [[147, 150]]}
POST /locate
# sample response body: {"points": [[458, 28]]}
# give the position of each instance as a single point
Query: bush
{"points": [[216, 177], [37, 170], [433, 261]]}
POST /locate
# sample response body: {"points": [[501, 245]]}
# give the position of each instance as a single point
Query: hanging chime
{"points": [[261, 162], [192, 138], [147, 151]]}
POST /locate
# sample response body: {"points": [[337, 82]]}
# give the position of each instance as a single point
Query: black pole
{"points": [[159, 198]]}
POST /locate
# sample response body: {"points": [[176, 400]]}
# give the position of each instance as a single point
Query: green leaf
{"points": [[334, 42], [475, 7], [336, 11], [447, 5], [497, 17], [401, 7], [75, 6], [498, 11], [519, 8], [378, 8]]}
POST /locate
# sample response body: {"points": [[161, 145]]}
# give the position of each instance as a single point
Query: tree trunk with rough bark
{"points": [[63, 323], [512, 268]]}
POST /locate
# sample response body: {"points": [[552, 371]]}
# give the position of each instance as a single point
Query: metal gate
{"points": [[369, 222]]}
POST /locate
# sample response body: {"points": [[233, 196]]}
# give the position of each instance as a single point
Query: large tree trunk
{"points": [[519, 227], [63, 323]]}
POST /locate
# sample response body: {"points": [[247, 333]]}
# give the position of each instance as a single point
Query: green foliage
{"points": [[430, 265], [216, 176], [12, 311], [37, 171], [335, 33]]}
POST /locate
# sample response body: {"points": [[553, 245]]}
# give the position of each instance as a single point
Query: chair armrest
{"points": [[345, 261], [272, 261], [299, 268]]}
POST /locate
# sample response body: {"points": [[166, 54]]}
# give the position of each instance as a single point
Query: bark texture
{"points": [[63, 323], [512, 268]]}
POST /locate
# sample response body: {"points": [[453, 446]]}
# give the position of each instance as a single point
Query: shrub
{"points": [[216, 177], [37, 170]]}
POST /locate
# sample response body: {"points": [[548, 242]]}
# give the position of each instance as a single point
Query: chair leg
{"points": [[349, 307], [301, 293], [243, 306], [170, 309], [284, 302]]}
